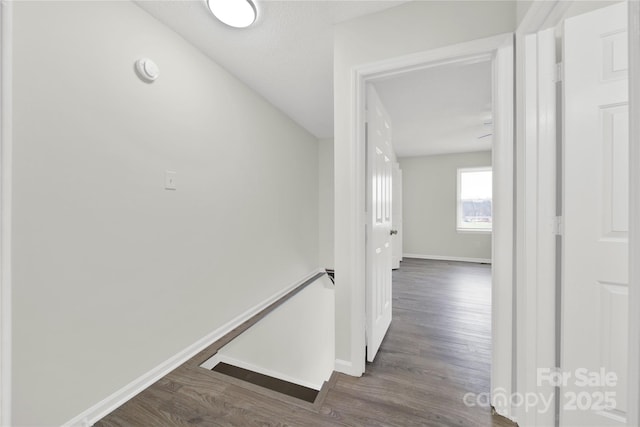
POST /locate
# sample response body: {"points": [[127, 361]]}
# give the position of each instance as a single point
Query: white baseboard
{"points": [[448, 258], [344, 366], [117, 399]]}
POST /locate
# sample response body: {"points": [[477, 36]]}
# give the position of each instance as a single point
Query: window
{"points": [[474, 199]]}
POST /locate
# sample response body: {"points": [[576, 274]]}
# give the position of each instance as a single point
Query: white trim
{"points": [[499, 49], [117, 399], [356, 275], [536, 249], [343, 366], [547, 225], [503, 308], [223, 358], [472, 231], [633, 409], [471, 52], [541, 306], [6, 141], [542, 15], [536, 185], [449, 258]]}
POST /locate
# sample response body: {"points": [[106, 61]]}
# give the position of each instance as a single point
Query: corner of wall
{"points": [[326, 203]]}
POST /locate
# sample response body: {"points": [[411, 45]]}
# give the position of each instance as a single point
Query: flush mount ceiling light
{"points": [[234, 13]]}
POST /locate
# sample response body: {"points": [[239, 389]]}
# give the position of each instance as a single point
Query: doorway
{"points": [[498, 51], [442, 126], [436, 124]]}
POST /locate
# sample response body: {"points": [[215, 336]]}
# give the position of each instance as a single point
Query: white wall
{"points": [[522, 7], [430, 203], [409, 28], [112, 274], [325, 203], [266, 346]]}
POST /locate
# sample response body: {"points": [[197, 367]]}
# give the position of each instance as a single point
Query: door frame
{"points": [[499, 50], [6, 34], [536, 200], [633, 418], [536, 204], [532, 103]]}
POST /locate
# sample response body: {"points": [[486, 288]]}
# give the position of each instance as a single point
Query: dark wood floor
{"points": [[437, 349]]}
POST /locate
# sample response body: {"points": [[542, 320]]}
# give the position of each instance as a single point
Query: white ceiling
{"points": [[439, 110], [287, 56]]}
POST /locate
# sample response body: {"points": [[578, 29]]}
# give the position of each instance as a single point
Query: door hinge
{"points": [[559, 72], [557, 226]]}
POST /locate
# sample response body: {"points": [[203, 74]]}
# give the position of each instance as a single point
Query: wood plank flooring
{"points": [[437, 349]]}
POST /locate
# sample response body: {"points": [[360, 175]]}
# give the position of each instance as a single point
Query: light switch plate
{"points": [[169, 180]]}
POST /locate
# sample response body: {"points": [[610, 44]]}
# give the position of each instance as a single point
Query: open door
{"points": [[379, 218], [595, 264]]}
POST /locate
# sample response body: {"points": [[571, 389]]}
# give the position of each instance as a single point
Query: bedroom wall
{"points": [[430, 208]]}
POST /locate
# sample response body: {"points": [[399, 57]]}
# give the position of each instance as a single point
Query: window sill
{"points": [[473, 231]]}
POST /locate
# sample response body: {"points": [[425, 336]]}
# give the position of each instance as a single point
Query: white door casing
{"points": [[538, 211], [396, 214], [502, 241], [379, 215], [633, 414], [499, 49], [596, 216]]}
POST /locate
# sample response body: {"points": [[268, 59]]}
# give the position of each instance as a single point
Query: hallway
{"points": [[436, 351], [440, 338]]}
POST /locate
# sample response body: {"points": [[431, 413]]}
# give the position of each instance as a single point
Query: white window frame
{"points": [[460, 229]]}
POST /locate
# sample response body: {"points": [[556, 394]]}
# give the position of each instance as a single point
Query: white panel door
{"points": [[596, 206], [379, 204], [396, 214]]}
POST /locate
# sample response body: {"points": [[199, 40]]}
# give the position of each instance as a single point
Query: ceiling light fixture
{"points": [[234, 13]]}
